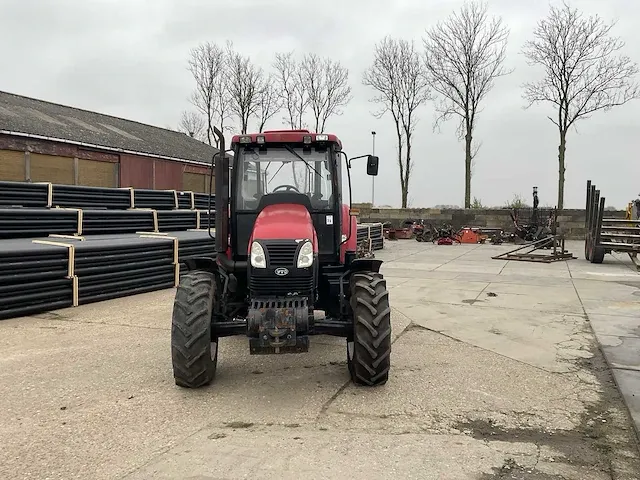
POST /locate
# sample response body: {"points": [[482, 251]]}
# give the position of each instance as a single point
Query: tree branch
{"points": [[244, 83], [269, 100], [583, 71], [194, 125], [206, 64]]}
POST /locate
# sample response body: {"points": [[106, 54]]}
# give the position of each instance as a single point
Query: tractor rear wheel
{"points": [[369, 350], [194, 352]]}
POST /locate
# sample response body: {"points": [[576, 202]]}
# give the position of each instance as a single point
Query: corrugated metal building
{"points": [[47, 142]]}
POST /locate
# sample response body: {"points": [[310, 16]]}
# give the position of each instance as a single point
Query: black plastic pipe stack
{"points": [[117, 267], [76, 196], [177, 220], [194, 245], [201, 201], [156, 199], [36, 222], [185, 200], [97, 222], [24, 194], [206, 220], [33, 278]]}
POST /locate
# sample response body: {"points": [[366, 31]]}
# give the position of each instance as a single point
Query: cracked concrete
{"points": [[495, 375]]}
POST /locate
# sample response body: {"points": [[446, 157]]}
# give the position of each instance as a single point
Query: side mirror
{"points": [[372, 165]]}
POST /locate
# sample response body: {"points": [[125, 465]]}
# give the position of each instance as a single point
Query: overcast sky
{"points": [[128, 58]]}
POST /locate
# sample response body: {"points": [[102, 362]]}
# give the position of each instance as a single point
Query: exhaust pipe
{"points": [[221, 169]]}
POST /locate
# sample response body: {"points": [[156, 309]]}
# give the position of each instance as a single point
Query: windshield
{"points": [[282, 169]]}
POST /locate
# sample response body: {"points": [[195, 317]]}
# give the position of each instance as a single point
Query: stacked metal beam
{"points": [[376, 234], [609, 235]]}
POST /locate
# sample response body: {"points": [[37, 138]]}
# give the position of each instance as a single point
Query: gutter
{"points": [[102, 147]]}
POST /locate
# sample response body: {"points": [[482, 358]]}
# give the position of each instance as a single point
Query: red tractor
{"points": [[285, 249]]}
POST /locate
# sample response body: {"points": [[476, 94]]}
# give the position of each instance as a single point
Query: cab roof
{"points": [[286, 136]]}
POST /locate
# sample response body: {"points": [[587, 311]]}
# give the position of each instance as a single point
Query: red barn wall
{"points": [[168, 175], [87, 166]]}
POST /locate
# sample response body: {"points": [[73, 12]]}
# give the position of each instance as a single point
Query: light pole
{"points": [[373, 178]]}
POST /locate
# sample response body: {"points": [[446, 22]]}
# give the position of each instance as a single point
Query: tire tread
{"points": [[193, 366], [371, 360]]}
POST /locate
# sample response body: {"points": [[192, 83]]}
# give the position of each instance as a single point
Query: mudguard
{"points": [[365, 265], [207, 264]]}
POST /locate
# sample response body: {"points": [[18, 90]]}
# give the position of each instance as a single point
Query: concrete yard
{"points": [[496, 374]]}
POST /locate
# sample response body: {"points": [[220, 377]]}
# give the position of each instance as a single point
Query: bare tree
{"points": [[244, 83], [463, 56], [397, 74], [583, 72], [269, 101], [291, 88], [193, 124], [207, 65], [222, 93], [327, 84]]}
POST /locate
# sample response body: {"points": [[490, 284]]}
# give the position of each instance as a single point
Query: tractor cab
{"points": [[285, 250], [284, 174]]}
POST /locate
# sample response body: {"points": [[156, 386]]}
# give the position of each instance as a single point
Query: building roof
{"points": [[24, 115]]}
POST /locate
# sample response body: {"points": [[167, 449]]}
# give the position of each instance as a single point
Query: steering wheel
{"points": [[289, 188]]}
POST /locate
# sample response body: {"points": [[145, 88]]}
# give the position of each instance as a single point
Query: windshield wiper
{"points": [[274, 175], [292, 151]]}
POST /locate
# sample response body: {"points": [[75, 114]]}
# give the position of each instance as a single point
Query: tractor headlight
{"points": [[305, 257], [257, 256]]}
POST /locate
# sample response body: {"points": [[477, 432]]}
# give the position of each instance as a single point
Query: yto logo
{"points": [[281, 272]]}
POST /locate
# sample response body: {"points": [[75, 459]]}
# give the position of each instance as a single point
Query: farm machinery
{"points": [[610, 234], [409, 229], [285, 252]]}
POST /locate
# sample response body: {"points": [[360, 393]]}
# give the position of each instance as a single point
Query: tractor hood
{"points": [[286, 221]]}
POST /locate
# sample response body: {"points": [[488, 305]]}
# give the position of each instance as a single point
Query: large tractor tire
{"points": [[369, 350], [193, 352]]}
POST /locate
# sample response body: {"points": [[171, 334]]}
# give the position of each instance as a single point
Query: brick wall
{"points": [[571, 221]]}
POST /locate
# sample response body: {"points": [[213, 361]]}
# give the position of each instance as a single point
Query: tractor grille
{"points": [[281, 254], [280, 286]]}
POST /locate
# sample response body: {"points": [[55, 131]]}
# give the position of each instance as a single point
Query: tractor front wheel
{"points": [[193, 351], [369, 350]]}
